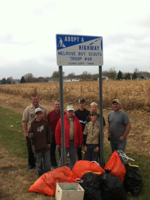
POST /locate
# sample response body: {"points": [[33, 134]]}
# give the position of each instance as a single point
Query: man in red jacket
{"points": [[73, 135]]}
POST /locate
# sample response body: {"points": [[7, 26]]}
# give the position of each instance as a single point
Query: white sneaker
{"points": [[53, 167]]}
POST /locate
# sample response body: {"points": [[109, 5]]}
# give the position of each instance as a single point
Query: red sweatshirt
{"points": [[78, 135]]}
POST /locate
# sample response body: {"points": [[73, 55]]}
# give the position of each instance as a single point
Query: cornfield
{"points": [[132, 94], [134, 97]]}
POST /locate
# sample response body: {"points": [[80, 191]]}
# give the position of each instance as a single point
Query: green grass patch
{"points": [[11, 133], [12, 138], [144, 166], [143, 162]]}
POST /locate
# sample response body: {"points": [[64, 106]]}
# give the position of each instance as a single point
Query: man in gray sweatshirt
{"points": [[118, 127]]}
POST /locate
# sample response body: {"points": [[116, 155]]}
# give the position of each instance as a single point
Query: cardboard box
{"points": [[69, 191]]}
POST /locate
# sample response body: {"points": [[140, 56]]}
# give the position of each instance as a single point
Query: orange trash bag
{"points": [[115, 166], [83, 166], [46, 184]]}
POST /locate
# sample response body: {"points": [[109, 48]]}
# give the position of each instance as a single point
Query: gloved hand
{"points": [[48, 146], [31, 135]]}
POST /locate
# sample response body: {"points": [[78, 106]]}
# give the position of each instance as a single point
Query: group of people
{"points": [[82, 129]]}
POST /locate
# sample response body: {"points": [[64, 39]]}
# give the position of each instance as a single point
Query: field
{"points": [[132, 94], [135, 100], [134, 97]]}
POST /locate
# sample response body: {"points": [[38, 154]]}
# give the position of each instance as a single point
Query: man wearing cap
{"points": [[28, 116], [81, 114], [41, 137], [118, 127], [53, 118], [73, 135]]}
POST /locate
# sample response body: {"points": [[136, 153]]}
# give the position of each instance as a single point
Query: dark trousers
{"points": [[91, 155], [31, 159], [79, 153], [52, 151]]}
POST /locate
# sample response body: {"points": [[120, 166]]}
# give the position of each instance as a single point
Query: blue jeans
{"points": [[91, 155], [52, 151], [72, 152], [118, 145], [46, 162]]}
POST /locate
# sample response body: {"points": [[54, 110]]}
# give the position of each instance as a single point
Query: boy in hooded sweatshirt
{"points": [[40, 135]]}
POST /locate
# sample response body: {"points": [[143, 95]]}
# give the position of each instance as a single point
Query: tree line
{"points": [[112, 74]]}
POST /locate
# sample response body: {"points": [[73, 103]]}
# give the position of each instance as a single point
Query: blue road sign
{"points": [[79, 50]]}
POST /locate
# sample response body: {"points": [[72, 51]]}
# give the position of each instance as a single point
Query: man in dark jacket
{"points": [[53, 118], [81, 114]]}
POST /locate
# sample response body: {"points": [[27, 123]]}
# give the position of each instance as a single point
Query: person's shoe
{"points": [[53, 167], [31, 167]]}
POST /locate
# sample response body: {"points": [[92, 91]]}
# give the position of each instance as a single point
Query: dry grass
{"points": [[132, 94], [135, 99], [16, 179]]}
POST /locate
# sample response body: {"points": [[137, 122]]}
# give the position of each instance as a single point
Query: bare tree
{"points": [[72, 74], [56, 74], [29, 78], [112, 73], [10, 80], [86, 76]]}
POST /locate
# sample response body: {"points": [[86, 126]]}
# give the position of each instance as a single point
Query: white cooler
{"points": [[69, 191]]}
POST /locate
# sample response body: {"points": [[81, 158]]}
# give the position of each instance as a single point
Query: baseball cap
{"points": [[116, 101], [38, 110], [70, 107], [81, 100]]}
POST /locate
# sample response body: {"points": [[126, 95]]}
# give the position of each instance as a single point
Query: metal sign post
{"points": [[102, 162], [63, 154], [79, 50]]}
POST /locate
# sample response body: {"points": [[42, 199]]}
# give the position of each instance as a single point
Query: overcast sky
{"points": [[28, 31]]}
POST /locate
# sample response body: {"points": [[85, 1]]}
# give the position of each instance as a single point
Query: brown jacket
{"points": [[92, 132], [42, 135]]}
